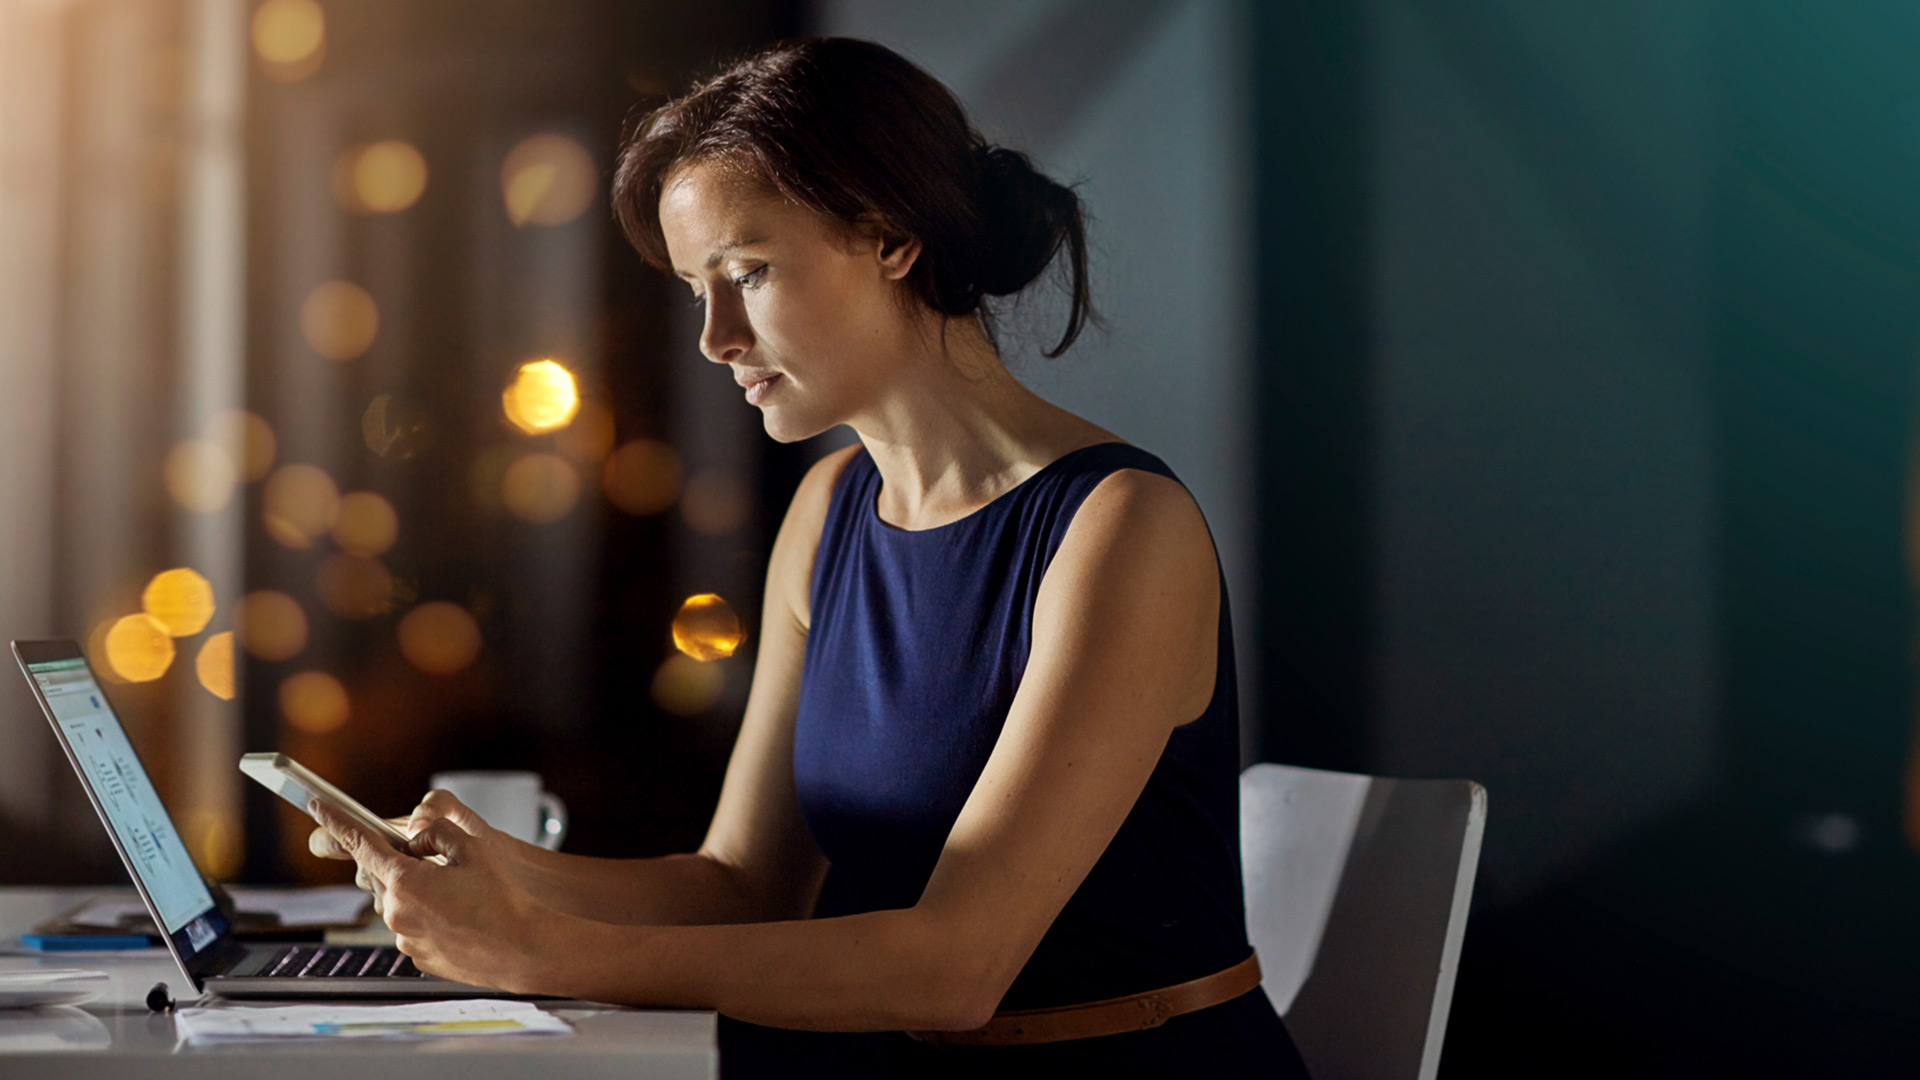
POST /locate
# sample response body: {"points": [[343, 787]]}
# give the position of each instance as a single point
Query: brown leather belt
{"points": [[1135, 1012]]}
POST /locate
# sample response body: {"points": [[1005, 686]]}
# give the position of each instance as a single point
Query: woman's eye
{"points": [[751, 278]]}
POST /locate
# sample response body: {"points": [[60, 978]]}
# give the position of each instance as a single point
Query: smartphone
{"points": [[298, 785]]}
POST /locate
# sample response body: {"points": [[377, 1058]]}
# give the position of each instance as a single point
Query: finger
{"points": [[321, 843], [441, 805], [373, 853], [442, 837]]}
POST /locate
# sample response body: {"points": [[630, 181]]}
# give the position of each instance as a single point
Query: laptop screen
{"points": [[126, 798]]}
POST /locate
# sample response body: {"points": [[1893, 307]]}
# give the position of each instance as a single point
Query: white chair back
{"points": [[1357, 890]]}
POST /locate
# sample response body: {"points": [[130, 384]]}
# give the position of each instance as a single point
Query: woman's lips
{"points": [[758, 390]]}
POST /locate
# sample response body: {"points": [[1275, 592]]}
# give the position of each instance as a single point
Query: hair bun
{"points": [[1027, 216]]}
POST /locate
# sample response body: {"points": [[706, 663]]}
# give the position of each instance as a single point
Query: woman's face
{"points": [[805, 317]]}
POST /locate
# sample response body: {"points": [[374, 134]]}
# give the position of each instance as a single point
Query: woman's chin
{"points": [[783, 427]]}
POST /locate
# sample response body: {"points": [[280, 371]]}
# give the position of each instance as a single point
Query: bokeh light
{"points": [[540, 488], [270, 625], [97, 652], [684, 686], [248, 441], [339, 320], [353, 587], [213, 841], [138, 648], [390, 430], [365, 524], [199, 475], [214, 665], [290, 37], [299, 505], [706, 628], [716, 502], [439, 638], [642, 477], [314, 702], [548, 180], [542, 398], [379, 178], [180, 600], [589, 439]]}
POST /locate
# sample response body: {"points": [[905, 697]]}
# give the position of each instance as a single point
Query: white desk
{"points": [[115, 1036]]}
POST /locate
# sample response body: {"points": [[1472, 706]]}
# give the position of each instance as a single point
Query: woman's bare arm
{"points": [[758, 861], [1124, 649]]}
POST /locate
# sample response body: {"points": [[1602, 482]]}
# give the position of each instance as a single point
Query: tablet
{"points": [[298, 784]]}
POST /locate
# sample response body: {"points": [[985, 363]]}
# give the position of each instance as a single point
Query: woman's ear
{"points": [[895, 250], [898, 253]]}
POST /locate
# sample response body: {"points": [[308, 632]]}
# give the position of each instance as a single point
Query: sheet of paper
{"points": [[327, 905], [108, 912], [422, 1020]]}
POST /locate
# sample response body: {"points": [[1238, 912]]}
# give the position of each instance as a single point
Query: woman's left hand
{"points": [[467, 920]]}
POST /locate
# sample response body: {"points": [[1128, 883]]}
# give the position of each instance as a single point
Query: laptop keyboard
{"points": [[341, 961]]}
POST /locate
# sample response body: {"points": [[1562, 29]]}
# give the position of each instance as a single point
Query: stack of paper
{"points": [[326, 905], [422, 1020]]}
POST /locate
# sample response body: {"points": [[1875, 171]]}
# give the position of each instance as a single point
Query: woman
{"points": [[989, 759]]}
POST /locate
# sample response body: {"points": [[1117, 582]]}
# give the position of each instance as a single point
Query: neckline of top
{"points": [[873, 504]]}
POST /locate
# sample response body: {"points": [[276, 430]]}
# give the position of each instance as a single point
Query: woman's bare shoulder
{"points": [[1134, 505], [790, 571], [810, 500]]}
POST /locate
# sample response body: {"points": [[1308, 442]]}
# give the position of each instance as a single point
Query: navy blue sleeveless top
{"points": [[917, 644]]}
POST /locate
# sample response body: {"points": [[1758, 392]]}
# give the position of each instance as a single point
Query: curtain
{"points": [[121, 322]]}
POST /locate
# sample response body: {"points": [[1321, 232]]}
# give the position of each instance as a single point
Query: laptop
{"points": [[197, 932]]}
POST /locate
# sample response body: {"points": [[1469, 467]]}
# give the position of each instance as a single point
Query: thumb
{"points": [[442, 837], [440, 805]]}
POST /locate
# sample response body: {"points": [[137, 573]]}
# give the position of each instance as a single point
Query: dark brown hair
{"points": [[857, 133]]}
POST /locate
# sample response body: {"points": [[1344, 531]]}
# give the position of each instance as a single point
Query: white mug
{"points": [[512, 802]]}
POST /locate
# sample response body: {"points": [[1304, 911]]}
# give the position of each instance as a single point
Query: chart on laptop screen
{"points": [[125, 792]]}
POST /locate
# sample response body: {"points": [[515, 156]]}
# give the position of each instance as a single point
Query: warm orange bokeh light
{"points": [[290, 37], [706, 628], [685, 687], [180, 600], [248, 441], [439, 638], [716, 502], [589, 439], [642, 477], [339, 320], [214, 842], [97, 652], [214, 665], [300, 504], [270, 625], [540, 488], [379, 178], [543, 397], [366, 524], [139, 649], [314, 702], [199, 475], [548, 180], [353, 587]]}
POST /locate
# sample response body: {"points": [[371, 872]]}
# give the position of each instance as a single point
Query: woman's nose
{"points": [[726, 336]]}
